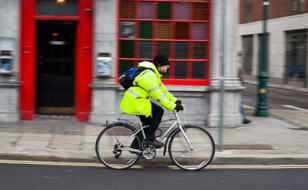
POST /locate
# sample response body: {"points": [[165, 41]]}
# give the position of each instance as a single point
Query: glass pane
{"points": [[199, 31], [146, 10], [127, 9], [200, 11], [127, 29], [247, 54], [163, 30], [145, 30], [164, 10], [181, 50], [180, 70], [125, 65], [296, 55], [163, 48], [182, 11], [199, 50], [198, 70], [181, 30], [145, 50], [51, 7], [127, 49]]}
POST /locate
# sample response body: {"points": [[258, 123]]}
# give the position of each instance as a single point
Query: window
{"points": [[296, 56], [248, 11], [52, 7], [302, 6], [247, 54], [178, 29], [298, 6]]}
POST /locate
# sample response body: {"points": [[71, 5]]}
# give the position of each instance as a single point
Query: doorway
{"points": [[55, 59]]}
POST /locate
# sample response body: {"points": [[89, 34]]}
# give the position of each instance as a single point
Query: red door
{"points": [[83, 58]]}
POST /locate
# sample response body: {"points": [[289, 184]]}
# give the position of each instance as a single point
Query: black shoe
{"points": [[155, 143], [246, 121]]}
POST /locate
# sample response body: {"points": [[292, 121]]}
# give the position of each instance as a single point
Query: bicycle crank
{"points": [[149, 152]]}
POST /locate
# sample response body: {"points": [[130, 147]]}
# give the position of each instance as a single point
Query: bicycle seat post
{"points": [[141, 127]]}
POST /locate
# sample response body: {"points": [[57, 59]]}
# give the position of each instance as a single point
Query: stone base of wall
{"points": [[9, 112], [107, 99], [6, 117]]}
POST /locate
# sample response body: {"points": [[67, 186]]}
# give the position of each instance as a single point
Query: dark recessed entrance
{"points": [[55, 67]]}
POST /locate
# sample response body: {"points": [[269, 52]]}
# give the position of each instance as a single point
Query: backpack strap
{"points": [[146, 70]]}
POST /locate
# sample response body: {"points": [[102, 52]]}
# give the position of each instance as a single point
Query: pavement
{"points": [[281, 138]]}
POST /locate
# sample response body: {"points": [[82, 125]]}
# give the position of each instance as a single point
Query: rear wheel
{"points": [[113, 146], [196, 157]]}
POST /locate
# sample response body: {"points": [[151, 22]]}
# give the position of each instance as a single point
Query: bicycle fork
{"points": [[183, 132]]}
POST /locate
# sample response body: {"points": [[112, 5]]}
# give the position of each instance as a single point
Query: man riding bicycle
{"points": [[136, 99]]}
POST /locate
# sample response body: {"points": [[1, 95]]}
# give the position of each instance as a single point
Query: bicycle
{"points": [[189, 147]]}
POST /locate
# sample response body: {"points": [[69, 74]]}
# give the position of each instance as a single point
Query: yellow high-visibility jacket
{"points": [[147, 84]]}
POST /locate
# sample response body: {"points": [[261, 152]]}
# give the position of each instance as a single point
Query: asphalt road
{"points": [[277, 98], [42, 177]]}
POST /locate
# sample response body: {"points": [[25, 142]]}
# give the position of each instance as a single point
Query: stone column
{"points": [[232, 85], [105, 91], [9, 41]]}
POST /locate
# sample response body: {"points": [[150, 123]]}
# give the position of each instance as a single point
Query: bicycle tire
{"points": [[107, 143], [203, 148]]}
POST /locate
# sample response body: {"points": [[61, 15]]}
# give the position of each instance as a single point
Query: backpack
{"points": [[127, 78]]}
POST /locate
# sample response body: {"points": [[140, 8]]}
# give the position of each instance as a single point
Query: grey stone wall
{"points": [[9, 40]]}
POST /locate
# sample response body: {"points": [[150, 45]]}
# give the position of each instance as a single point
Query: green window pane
{"points": [[180, 70], [198, 70], [164, 10], [125, 65], [145, 30], [127, 49], [199, 50], [145, 50]]}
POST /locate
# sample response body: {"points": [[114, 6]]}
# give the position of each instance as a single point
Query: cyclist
{"points": [[136, 99]]}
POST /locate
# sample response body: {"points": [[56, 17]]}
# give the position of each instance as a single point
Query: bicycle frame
{"points": [[177, 122]]}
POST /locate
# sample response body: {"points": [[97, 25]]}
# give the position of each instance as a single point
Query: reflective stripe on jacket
{"points": [[136, 99]]}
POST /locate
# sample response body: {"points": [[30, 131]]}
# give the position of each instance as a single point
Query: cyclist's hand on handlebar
{"points": [[178, 102], [179, 107]]}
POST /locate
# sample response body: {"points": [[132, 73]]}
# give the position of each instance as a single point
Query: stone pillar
{"points": [[105, 91], [9, 41], [232, 85]]}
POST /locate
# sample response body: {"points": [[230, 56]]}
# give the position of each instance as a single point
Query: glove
{"points": [[178, 107], [178, 102]]}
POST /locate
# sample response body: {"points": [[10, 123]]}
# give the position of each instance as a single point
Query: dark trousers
{"points": [[153, 120]]}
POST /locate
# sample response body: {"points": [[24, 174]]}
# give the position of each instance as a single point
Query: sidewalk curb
{"points": [[278, 86], [166, 161]]}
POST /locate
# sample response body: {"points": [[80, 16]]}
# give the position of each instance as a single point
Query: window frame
{"points": [[190, 60]]}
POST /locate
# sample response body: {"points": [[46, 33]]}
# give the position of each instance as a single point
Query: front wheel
{"points": [[113, 146], [194, 157]]}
